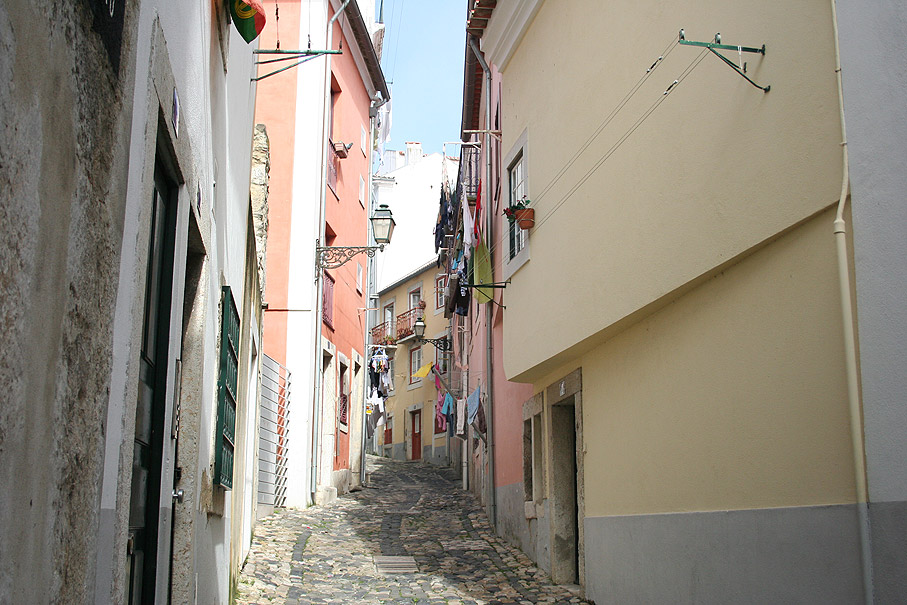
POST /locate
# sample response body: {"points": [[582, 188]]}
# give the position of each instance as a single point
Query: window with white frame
{"points": [[390, 374], [359, 278], [362, 191], [440, 291], [363, 140], [515, 241], [516, 181], [415, 362], [415, 297]]}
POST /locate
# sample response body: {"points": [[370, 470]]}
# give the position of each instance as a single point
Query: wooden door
{"points": [[417, 435]]}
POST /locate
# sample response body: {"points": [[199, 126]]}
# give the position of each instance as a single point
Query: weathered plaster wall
{"points": [[62, 196]]}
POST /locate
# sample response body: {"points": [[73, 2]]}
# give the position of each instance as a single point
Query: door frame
{"points": [[560, 393]]}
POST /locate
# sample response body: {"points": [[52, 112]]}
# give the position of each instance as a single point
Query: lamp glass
{"points": [[383, 224], [419, 328]]}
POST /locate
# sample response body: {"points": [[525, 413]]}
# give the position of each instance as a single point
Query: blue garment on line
{"points": [[448, 402], [472, 404]]}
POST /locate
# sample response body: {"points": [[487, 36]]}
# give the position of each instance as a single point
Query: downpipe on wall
{"points": [[850, 347], [489, 331]]}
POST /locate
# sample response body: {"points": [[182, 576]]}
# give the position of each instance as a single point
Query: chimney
{"points": [[413, 153]]}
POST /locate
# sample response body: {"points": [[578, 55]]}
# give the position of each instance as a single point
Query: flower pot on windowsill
{"points": [[524, 217]]}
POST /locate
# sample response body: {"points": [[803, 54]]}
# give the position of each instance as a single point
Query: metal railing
{"points": [[273, 433], [405, 322], [383, 334], [470, 171]]}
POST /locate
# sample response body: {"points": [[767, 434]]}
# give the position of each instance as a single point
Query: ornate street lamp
{"points": [[442, 344], [331, 257]]}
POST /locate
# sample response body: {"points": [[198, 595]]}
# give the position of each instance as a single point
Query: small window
{"points": [[359, 278], [415, 362], [515, 179], [363, 140], [390, 374], [517, 191], [415, 297], [389, 430], [440, 290], [362, 191]]}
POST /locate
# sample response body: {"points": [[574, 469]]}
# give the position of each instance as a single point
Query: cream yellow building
{"points": [[412, 431], [696, 433]]}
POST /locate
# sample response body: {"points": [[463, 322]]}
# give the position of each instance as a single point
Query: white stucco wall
{"points": [[414, 199], [216, 111]]}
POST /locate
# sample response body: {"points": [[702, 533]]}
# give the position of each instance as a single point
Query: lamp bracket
{"points": [[442, 344], [332, 257]]}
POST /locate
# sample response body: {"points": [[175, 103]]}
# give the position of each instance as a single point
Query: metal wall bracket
{"points": [[301, 56], [712, 46], [332, 257]]}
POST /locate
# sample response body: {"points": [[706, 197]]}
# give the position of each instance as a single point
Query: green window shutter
{"points": [[226, 391]]}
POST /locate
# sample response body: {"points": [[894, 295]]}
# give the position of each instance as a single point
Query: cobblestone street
{"points": [[363, 547]]}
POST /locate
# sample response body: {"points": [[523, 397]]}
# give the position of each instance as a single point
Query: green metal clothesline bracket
{"points": [[712, 46], [288, 55]]}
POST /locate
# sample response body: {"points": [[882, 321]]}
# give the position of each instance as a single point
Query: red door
{"points": [[417, 435]]}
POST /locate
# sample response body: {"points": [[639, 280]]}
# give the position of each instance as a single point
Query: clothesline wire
{"points": [[693, 65], [620, 141], [664, 54], [608, 119]]}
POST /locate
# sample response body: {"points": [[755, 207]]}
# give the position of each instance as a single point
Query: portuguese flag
{"points": [[248, 17]]}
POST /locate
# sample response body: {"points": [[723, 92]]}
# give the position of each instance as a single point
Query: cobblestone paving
{"points": [[325, 554]]}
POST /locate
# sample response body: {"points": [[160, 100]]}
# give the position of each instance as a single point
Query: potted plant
{"points": [[521, 213]]}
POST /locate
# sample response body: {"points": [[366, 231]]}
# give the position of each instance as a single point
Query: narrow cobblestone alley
{"points": [[328, 554]]}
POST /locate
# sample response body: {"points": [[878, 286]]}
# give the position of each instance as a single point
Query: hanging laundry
{"points": [[477, 221], [468, 227], [423, 371], [472, 403], [479, 423], [461, 417], [462, 298], [448, 404], [440, 419], [483, 275]]}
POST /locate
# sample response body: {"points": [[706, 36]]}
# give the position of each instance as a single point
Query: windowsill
{"points": [[513, 265], [415, 385]]}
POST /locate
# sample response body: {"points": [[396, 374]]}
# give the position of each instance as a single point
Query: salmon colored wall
{"points": [[346, 216], [276, 108]]}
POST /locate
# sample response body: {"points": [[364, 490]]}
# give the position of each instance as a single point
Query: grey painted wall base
{"points": [[529, 535], [778, 555], [436, 455], [398, 451], [888, 521]]}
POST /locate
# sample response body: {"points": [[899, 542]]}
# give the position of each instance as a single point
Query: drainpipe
{"points": [[319, 280], [850, 347], [489, 351]]}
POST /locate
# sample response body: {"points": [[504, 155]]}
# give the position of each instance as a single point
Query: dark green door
{"points": [[150, 407]]}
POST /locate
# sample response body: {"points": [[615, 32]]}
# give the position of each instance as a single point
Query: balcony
{"points": [[383, 334], [405, 321], [470, 171]]}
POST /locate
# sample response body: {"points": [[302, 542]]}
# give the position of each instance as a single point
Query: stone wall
{"points": [[66, 105]]}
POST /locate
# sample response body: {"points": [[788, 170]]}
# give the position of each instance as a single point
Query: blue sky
{"points": [[423, 62]]}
